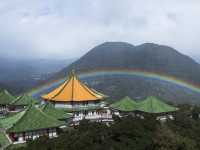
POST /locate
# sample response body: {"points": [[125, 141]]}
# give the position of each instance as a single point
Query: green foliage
{"points": [[165, 139], [195, 112]]}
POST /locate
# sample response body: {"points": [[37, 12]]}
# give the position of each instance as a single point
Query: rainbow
{"points": [[129, 72]]}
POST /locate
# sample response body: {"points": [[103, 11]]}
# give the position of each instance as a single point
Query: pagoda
{"points": [[82, 101], [124, 106], [5, 99], [155, 106], [30, 124]]}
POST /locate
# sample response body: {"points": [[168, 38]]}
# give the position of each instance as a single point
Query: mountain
{"points": [[196, 58], [19, 75], [148, 57]]}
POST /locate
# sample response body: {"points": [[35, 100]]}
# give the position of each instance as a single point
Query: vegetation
{"points": [[129, 133]]}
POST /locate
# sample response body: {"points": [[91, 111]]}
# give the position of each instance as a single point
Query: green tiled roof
{"points": [[34, 119], [149, 105], [125, 104], [154, 105], [57, 113], [5, 97], [7, 123], [3, 140], [24, 100]]}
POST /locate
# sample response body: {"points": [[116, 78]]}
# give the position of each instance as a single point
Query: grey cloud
{"points": [[64, 29]]}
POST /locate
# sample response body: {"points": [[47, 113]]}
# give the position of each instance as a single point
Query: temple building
{"points": [[124, 106], [154, 105], [22, 102], [157, 107], [30, 124], [79, 99], [5, 99], [151, 105]]}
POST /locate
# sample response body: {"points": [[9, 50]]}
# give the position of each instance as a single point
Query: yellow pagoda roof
{"points": [[73, 90]]}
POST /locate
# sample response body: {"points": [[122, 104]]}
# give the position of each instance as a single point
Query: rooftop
{"points": [[32, 119], [5, 97], [24, 100], [72, 90], [149, 105], [57, 113]]}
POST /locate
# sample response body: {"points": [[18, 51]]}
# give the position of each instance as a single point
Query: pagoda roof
{"points": [[5, 97], [149, 105], [154, 105], [72, 90], [32, 119], [24, 100], [57, 113], [125, 104], [4, 141], [8, 122]]}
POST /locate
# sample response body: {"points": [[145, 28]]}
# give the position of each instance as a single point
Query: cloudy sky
{"points": [[69, 28]]}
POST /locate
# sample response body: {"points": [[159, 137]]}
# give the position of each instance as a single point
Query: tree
{"points": [[166, 139]]}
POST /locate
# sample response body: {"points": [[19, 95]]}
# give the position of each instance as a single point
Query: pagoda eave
{"points": [[72, 101]]}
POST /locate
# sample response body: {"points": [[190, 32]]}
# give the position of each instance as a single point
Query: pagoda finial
{"points": [[72, 73]]}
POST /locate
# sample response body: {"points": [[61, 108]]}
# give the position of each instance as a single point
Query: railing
{"points": [[92, 117]]}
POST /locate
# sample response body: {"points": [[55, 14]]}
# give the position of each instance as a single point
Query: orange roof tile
{"points": [[73, 90]]}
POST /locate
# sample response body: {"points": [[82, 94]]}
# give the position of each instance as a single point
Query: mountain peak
{"points": [[147, 56], [113, 46], [116, 43]]}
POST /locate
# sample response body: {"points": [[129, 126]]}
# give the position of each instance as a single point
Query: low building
{"points": [[21, 102], [30, 124], [157, 107], [94, 114], [5, 99], [125, 106], [151, 105]]}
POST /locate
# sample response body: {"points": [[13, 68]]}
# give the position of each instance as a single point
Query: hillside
{"points": [[149, 57], [19, 75]]}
